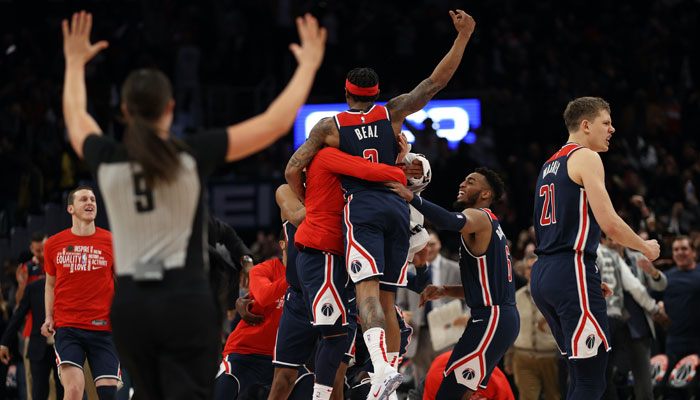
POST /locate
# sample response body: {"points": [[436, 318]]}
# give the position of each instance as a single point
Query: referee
{"points": [[164, 318]]}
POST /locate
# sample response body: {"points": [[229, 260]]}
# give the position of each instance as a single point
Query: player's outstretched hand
{"points": [[651, 249], [400, 189], [464, 23], [76, 39], [312, 42], [242, 307], [432, 292]]}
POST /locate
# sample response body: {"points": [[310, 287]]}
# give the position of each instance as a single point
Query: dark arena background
{"points": [[228, 60]]}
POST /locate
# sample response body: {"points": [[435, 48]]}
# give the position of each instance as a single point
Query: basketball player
{"points": [[376, 245], [154, 188], [487, 282], [571, 207], [79, 287]]}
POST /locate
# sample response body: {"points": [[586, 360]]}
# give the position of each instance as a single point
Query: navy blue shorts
{"points": [[247, 370], [296, 335], [377, 231], [74, 344], [489, 334], [323, 279], [566, 288]]}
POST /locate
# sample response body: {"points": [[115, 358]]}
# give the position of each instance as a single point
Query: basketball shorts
{"points": [[296, 336], [491, 331], [567, 290], [376, 226], [74, 344], [323, 280]]}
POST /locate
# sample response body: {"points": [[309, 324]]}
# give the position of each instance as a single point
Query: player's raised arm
{"points": [[77, 51], [319, 135], [408, 103], [586, 166], [257, 133]]}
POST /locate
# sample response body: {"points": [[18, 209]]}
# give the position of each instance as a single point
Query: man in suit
{"points": [[444, 272], [40, 354]]}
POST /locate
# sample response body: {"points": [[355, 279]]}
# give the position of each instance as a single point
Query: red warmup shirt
{"points": [[267, 287], [322, 228], [498, 387], [84, 271]]}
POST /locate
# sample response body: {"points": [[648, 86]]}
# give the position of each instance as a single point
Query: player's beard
{"points": [[469, 202]]}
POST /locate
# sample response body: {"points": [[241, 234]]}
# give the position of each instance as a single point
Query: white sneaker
{"points": [[385, 384]]}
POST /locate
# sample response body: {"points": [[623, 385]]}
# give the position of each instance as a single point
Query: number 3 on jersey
{"points": [[371, 154], [548, 215]]}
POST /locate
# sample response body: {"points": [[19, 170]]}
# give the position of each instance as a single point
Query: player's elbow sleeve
{"points": [[443, 219]]}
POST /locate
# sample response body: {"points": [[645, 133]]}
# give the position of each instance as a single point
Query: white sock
{"points": [[376, 346], [322, 392], [393, 358]]}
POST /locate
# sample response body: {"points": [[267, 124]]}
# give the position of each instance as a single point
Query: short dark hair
{"points": [[495, 182], [71, 195], [363, 77], [684, 237], [583, 108], [38, 236]]}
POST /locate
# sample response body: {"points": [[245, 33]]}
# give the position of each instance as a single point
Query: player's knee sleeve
{"points": [[226, 387], [106, 392], [588, 377], [328, 356], [303, 388]]}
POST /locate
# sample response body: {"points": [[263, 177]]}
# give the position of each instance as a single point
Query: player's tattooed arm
{"points": [[320, 134], [416, 99], [407, 104]]}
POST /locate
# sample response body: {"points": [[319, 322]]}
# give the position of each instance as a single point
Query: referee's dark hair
{"points": [[146, 95], [495, 182], [363, 77]]}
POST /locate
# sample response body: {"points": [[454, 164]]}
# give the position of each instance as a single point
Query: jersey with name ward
{"points": [[488, 278], [84, 271], [563, 220], [368, 135], [165, 225]]}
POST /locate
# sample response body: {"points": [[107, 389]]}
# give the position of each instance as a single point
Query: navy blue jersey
{"points": [[563, 220], [368, 135], [291, 274], [488, 279]]}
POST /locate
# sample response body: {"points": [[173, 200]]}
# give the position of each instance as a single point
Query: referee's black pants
{"points": [[166, 335]]}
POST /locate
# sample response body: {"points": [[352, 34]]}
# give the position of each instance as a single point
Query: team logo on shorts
{"points": [[327, 309], [355, 266], [468, 374], [590, 341]]}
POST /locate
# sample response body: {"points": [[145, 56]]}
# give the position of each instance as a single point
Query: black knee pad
{"points": [[106, 392]]}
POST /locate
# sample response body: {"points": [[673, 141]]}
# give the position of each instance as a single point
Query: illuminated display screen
{"points": [[454, 120]]}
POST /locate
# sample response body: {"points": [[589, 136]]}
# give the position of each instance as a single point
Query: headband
{"points": [[361, 91]]}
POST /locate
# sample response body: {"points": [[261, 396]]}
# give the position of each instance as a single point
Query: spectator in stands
{"points": [[630, 330], [681, 300]]}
